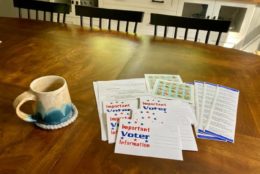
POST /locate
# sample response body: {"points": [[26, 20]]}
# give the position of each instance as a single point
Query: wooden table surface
{"points": [[30, 49]]}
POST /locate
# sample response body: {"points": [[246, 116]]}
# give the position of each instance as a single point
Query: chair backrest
{"points": [[110, 14], [189, 23], [43, 6]]}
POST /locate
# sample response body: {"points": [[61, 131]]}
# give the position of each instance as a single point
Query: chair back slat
{"points": [[37, 15], [81, 20], [64, 18], [91, 22], [155, 30], [42, 6], [165, 31], [186, 34], [207, 37], [51, 17], [109, 24], [100, 23], [58, 17], [175, 33], [218, 39], [126, 27], [20, 13], [196, 35], [135, 28], [190, 23], [111, 14], [118, 25], [44, 15], [28, 13]]}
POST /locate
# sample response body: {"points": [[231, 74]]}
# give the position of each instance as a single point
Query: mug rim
{"points": [[35, 81]]}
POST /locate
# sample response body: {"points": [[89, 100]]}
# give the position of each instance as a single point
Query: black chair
{"points": [[59, 8], [189, 23], [110, 14]]}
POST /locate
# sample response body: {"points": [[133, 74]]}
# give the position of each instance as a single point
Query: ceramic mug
{"points": [[53, 108]]}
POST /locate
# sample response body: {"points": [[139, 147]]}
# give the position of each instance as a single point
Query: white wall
{"points": [[253, 46], [255, 22], [251, 41], [7, 9]]}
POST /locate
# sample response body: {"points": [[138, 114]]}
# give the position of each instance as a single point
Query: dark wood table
{"points": [[30, 49]]}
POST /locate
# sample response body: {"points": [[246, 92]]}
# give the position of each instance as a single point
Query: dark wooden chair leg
{"points": [[64, 18], [81, 21], [196, 35], [58, 17], [126, 28], [91, 22], [118, 25], [109, 24], [37, 16], [51, 17], [100, 23], [44, 15], [207, 37]]}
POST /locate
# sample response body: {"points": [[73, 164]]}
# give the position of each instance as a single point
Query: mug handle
{"points": [[19, 101]]}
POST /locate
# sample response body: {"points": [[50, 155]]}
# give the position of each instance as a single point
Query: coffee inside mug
{"points": [[47, 84]]}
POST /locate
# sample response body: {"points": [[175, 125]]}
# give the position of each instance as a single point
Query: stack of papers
{"points": [[216, 110], [157, 129], [142, 124], [153, 116]]}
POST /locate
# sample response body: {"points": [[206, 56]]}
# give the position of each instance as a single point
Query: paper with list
{"points": [[199, 88], [222, 121], [216, 108], [186, 132], [163, 105], [171, 113], [207, 103], [200, 91]]}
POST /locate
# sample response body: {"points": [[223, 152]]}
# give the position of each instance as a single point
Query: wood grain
{"points": [[31, 49]]}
